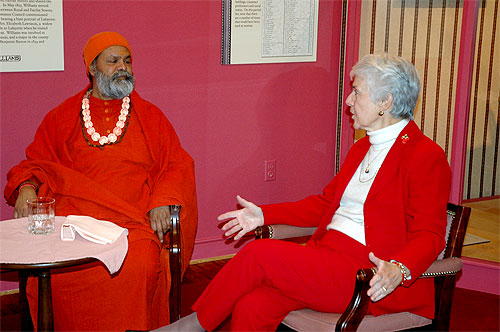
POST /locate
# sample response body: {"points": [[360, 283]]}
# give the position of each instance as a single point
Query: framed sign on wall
{"points": [[269, 31], [31, 35]]}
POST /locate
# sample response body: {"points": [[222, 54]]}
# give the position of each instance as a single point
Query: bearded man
{"points": [[109, 154]]}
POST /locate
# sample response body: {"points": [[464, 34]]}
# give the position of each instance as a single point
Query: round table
{"points": [[45, 320], [36, 255]]}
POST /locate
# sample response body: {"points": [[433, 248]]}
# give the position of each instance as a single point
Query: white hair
{"points": [[386, 74]]}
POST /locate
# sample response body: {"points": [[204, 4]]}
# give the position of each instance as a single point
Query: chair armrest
{"points": [[357, 308], [280, 232], [175, 263], [443, 267]]}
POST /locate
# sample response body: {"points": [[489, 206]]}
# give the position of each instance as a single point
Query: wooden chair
{"points": [[175, 263], [354, 318]]}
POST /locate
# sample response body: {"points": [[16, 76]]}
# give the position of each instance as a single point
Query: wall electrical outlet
{"points": [[270, 170]]}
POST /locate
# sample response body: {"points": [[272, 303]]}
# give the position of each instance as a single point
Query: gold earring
{"points": [[381, 113]]}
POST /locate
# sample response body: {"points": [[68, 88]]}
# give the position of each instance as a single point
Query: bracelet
{"points": [[27, 184], [270, 228], [264, 232], [404, 275]]}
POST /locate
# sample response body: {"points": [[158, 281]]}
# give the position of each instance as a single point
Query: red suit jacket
{"points": [[405, 213]]}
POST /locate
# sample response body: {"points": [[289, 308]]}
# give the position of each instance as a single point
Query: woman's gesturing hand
{"points": [[242, 221]]}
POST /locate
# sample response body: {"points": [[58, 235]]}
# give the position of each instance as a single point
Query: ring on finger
{"points": [[384, 289]]}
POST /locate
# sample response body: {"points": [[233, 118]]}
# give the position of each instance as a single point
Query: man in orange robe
{"points": [[109, 154]]}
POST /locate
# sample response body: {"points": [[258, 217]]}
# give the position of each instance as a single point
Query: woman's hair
{"points": [[386, 74]]}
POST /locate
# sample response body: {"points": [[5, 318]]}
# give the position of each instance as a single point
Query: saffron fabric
{"points": [[405, 220], [119, 183], [99, 42]]}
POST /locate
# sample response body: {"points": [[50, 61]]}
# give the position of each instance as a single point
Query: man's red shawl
{"points": [[171, 177]]}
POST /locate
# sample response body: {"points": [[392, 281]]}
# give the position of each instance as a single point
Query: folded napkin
{"points": [[98, 231]]}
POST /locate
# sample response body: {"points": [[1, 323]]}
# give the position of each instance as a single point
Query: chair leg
{"points": [[442, 315]]}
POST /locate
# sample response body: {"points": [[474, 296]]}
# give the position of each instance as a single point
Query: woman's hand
{"points": [[242, 221], [21, 208], [159, 218], [385, 281]]}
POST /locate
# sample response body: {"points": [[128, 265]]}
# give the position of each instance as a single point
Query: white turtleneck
{"points": [[349, 218]]}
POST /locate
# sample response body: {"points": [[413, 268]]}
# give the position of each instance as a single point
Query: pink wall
{"points": [[480, 275], [229, 118]]}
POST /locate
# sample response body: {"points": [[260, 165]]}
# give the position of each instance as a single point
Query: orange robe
{"points": [[119, 183]]}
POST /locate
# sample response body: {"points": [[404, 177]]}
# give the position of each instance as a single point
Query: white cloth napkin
{"points": [[91, 229]]}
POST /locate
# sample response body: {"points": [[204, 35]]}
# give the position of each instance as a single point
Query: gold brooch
{"points": [[405, 138]]}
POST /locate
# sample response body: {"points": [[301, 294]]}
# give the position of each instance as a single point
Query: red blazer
{"points": [[405, 212]]}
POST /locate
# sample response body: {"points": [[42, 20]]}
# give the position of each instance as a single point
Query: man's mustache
{"points": [[121, 73]]}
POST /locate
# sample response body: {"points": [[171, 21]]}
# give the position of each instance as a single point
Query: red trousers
{"points": [[269, 278]]}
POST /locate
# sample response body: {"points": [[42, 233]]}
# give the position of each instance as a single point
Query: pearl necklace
{"points": [[117, 131]]}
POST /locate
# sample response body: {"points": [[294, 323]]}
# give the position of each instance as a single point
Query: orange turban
{"points": [[98, 43]]}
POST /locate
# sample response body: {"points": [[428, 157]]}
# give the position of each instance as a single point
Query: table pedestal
{"points": [[45, 320]]}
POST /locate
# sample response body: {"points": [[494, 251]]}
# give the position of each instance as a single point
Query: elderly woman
{"points": [[385, 208]]}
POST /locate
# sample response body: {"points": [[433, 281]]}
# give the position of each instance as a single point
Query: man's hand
{"points": [[242, 221], [21, 208], [385, 281], [159, 219]]}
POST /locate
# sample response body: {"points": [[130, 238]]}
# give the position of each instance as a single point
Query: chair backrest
{"points": [[450, 218], [458, 217]]}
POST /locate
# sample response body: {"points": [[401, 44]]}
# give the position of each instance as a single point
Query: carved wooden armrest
{"points": [[357, 308], [282, 232], [353, 315]]}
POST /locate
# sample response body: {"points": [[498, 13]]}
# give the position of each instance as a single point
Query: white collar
{"points": [[382, 138]]}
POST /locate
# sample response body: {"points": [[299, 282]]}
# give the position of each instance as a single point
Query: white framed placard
{"points": [[31, 35], [269, 31]]}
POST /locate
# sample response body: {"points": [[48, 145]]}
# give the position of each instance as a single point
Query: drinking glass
{"points": [[41, 215]]}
